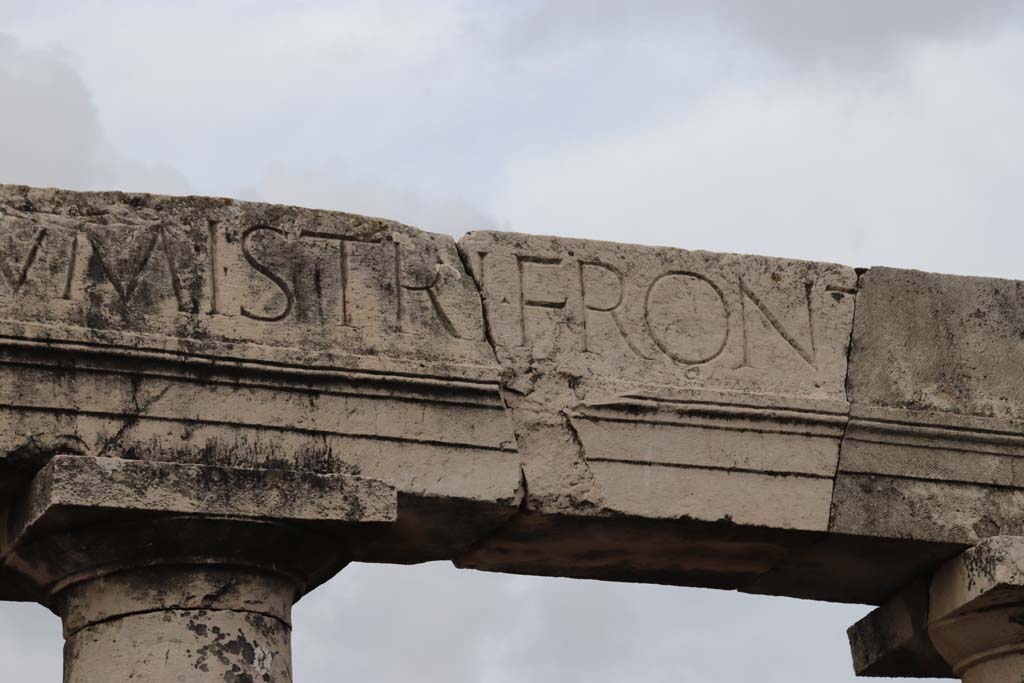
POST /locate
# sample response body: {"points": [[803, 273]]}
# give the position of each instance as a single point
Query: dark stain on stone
{"points": [[199, 629], [237, 655]]}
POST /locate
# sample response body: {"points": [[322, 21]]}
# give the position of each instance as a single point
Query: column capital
{"points": [[161, 570], [966, 620], [976, 612]]}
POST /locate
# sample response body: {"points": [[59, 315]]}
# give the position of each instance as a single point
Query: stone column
{"points": [[175, 573]]}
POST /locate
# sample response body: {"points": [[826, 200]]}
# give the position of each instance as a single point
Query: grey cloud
{"points": [[834, 32], [51, 135], [863, 32], [433, 623]]}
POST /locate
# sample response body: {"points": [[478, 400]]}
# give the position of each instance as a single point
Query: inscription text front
{"points": [[683, 315]]}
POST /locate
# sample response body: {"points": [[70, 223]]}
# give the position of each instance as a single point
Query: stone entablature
{"points": [[539, 404]]}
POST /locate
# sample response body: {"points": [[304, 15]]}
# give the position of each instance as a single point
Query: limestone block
{"points": [[665, 384], [187, 329], [541, 405], [936, 429]]}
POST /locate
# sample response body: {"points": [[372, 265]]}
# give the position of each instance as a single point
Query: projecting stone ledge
{"points": [[539, 405]]}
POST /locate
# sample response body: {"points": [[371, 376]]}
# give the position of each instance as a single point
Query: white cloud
{"points": [[50, 134], [836, 33]]}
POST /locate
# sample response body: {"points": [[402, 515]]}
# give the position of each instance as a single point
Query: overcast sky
{"points": [[876, 132]]}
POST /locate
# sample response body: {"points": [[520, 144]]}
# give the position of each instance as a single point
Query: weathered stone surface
{"points": [[936, 431], [222, 332], [211, 646], [665, 384], [209, 588]]}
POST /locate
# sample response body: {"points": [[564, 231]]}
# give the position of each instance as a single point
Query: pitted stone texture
{"points": [[936, 429], [209, 277], [893, 641], [217, 332], [664, 317], [939, 344], [171, 572], [674, 415]]}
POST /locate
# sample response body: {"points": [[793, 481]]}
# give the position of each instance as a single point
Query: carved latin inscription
{"points": [[124, 260], [236, 273], [666, 312]]}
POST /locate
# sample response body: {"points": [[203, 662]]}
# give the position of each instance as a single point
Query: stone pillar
{"points": [[174, 573]]}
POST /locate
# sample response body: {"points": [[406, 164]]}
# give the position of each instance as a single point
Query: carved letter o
{"points": [[687, 317]]}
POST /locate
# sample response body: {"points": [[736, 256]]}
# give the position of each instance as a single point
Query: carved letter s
{"points": [[266, 272]]}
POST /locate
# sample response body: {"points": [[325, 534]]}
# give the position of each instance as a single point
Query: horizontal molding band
{"points": [[243, 355], [135, 419]]}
